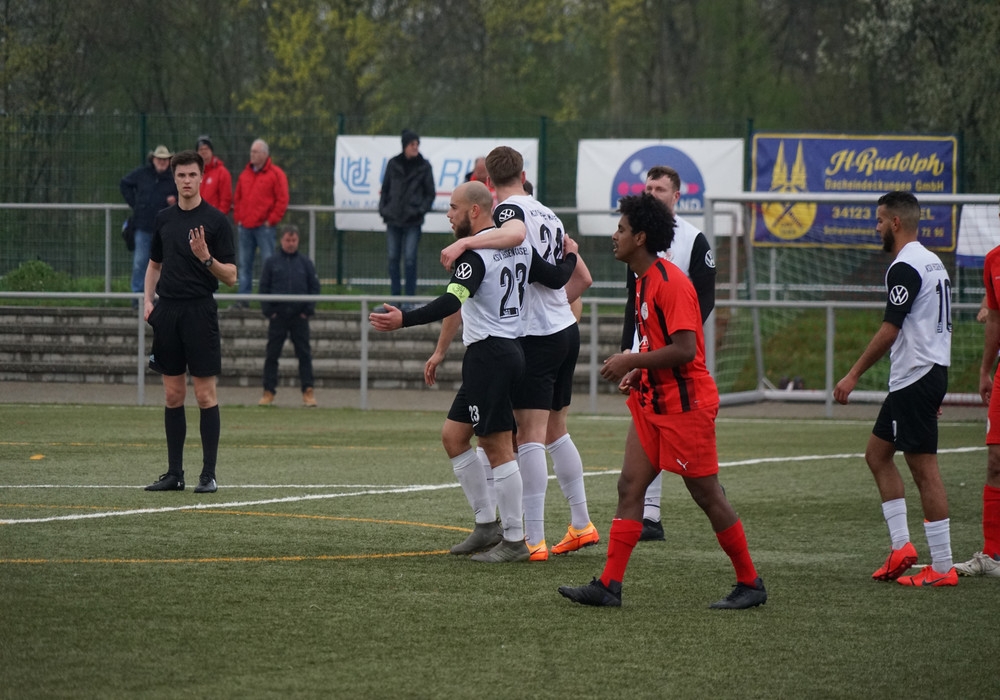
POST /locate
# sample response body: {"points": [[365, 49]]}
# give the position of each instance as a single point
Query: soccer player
{"points": [[691, 252], [488, 285], [551, 345], [916, 332], [673, 401], [191, 251], [987, 561]]}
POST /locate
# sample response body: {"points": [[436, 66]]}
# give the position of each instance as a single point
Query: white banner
{"points": [[609, 169], [359, 165], [978, 234]]}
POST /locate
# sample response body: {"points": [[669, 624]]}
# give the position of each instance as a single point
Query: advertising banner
{"points": [[801, 162], [359, 165], [609, 169]]}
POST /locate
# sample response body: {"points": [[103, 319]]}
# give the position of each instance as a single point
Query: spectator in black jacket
{"points": [[407, 194], [288, 272], [147, 189]]}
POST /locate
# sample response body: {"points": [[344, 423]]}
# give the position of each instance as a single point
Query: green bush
{"points": [[35, 276]]}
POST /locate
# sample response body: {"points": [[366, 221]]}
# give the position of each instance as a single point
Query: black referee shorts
{"points": [[490, 371], [186, 337], [550, 361], [909, 416]]}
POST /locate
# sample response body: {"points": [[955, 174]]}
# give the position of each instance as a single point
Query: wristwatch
{"points": [[208, 263]]}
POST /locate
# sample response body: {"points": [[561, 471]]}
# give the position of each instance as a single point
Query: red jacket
{"points": [[217, 185], [261, 196]]}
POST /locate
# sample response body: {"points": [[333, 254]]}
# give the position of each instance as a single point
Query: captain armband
{"points": [[458, 291]]}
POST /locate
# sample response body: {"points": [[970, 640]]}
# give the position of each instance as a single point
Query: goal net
{"points": [[796, 306]]}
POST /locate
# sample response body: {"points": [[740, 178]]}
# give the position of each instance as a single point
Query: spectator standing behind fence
{"points": [[288, 272], [260, 203], [407, 195], [217, 184], [147, 189]]}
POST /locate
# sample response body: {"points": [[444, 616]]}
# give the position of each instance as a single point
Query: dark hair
{"points": [[186, 158], [661, 171], [504, 165], [904, 205], [648, 214], [289, 228]]}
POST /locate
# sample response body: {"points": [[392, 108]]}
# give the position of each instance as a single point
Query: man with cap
{"points": [[217, 183], [147, 189], [407, 195]]}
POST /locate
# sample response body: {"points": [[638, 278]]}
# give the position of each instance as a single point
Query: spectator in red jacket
{"points": [[260, 203], [217, 183]]}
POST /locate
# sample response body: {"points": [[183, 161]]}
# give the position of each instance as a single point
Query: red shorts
{"points": [[682, 443], [993, 414]]}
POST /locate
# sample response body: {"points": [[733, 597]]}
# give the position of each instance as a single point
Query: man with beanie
{"points": [[407, 195], [217, 184]]}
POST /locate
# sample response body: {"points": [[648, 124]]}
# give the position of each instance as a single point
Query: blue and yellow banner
{"points": [[856, 164]]}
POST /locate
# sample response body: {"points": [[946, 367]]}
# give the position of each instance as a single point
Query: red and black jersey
{"points": [[665, 303]]}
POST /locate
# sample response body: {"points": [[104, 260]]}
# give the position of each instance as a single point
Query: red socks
{"points": [[991, 520], [734, 543], [622, 539]]}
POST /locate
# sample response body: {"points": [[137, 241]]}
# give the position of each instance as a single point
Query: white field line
{"points": [[372, 490]]}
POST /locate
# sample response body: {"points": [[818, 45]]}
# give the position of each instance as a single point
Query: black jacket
{"points": [[288, 274], [407, 191], [146, 191]]}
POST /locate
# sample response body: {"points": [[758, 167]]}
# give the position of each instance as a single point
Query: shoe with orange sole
{"points": [[577, 539], [929, 577], [896, 564], [539, 552]]}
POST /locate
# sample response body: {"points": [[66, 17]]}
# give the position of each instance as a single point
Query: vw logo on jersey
{"points": [[631, 177], [644, 311], [463, 271], [898, 295], [505, 214], [710, 260]]}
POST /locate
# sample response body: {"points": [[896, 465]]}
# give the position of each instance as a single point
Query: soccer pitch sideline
{"points": [[320, 569]]}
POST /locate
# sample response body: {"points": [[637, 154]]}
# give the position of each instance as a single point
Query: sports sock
{"points": [[939, 543], [469, 473], [734, 543], [507, 478], [211, 426], [622, 539], [568, 468], [175, 426], [651, 506], [991, 521], [535, 478], [491, 493], [894, 512]]}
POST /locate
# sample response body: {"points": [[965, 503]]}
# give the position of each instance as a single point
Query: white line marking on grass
{"points": [[846, 455], [227, 486], [232, 504]]}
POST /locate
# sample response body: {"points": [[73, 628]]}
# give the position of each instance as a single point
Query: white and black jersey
{"points": [[546, 311], [919, 304], [495, 280], [689, 250]]}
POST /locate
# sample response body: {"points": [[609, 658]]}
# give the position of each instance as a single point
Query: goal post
{"points": [[792, 316]]}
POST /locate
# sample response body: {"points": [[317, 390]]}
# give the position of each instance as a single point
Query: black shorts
{"points": [[909, 416], [550, 361], [490, 371], [186, 337]]}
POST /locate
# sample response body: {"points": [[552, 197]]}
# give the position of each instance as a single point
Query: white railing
{"points": [[594, 360]]}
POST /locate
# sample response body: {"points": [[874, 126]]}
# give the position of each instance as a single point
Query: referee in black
{"points": [[191, 251]]}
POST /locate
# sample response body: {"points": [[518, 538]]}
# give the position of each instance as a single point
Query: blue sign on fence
{"points": [[790, 163]]}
